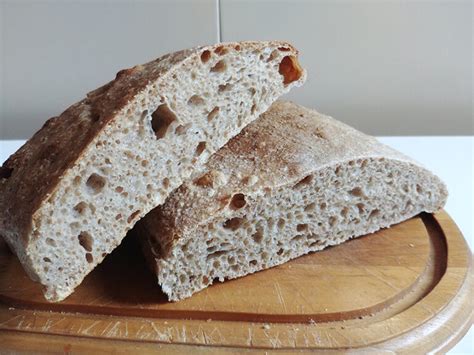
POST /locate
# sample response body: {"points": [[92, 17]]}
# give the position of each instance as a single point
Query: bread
{"points": [[69, 195], [292, 182]]}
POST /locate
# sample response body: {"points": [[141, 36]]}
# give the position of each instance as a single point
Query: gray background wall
{"points": [[386, 67]]}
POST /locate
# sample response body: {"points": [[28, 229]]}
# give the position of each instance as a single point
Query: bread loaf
{"points": [[292, 182], [70, 194]]}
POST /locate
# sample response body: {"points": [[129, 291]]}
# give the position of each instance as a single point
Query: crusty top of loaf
{"points": [[287, 143], [31, 174]]}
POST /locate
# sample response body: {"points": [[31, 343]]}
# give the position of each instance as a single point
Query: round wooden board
{"points": [[406, 289]]}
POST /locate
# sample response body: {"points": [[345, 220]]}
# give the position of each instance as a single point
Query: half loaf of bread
{"points": [[69, 195], [292, 182]]}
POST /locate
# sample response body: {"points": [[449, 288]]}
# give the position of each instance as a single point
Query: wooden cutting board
{"points": [[405, 289]]}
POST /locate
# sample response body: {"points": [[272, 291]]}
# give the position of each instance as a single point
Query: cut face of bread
{"points": [[292, 182], [69, 195]]}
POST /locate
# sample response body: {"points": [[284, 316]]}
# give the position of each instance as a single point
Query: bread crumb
{"points": [[411, 245], [312, 321], [266, 326]]}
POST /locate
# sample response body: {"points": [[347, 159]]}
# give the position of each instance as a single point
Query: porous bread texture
{"points": [[67, 200], [292, 182]]}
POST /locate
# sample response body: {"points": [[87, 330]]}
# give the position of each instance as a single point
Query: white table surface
{"points": [[449, 157]]}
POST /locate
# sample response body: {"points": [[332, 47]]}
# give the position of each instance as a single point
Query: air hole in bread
{"points": [[204, 181], [360, 207], [144, 163], [258, 235], [281, 223], [374, 213], [89, 258], [224, 245], [237, 202], [216, 254], [95, 183], [297, 238], [270, 223], [310, 207], [196, 100], [332, 221], [220, 67], [205, 280], [221, 50], [77, 180], [211, 115], [253, 109], [301, 227], [205, 56], [46, 260], [200, 148], [51, 242], [233, 223], [161, 119], [80, 207], [5, 172], [283, 49], [344, 212], [132, 216], [182, 129], [290, 70], [317, 242], [253, 262], [225, 87], [356, 191], [272, 56], [304, 181], [419, 189], [119, 189], [85, 240], [166, 183]]}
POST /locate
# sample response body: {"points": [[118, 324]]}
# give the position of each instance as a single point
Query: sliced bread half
{"points": [[292, 182], [69, 195]]}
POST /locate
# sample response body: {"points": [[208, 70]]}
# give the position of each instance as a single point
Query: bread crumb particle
{"points": [[266, 326]]}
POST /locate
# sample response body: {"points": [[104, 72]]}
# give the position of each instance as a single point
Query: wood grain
{"points": [[407, 288]]}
